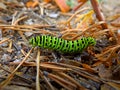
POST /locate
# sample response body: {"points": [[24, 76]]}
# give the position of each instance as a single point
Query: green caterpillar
{"points": [[64, 46]]}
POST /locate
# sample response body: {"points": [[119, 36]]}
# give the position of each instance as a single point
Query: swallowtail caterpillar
{"points": [[61, 45]]}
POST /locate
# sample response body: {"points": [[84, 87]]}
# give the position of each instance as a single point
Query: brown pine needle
{"points": [[61, 81], [5, 40], [71, 80], [48, 83]]}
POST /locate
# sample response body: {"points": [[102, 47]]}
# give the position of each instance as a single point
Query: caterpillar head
{"points": [[32, 41], [91, 41]]}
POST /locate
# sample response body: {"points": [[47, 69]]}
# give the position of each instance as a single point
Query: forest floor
{"points": [[23, 67]]}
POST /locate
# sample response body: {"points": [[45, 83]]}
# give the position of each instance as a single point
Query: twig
{"points": [[38, 68], [99, 13]]}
